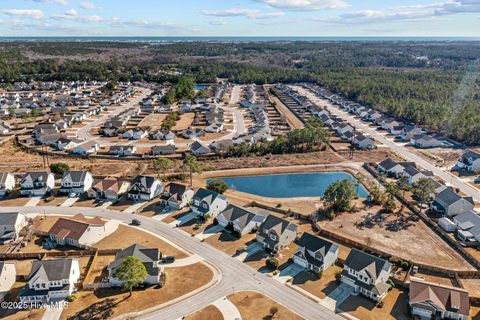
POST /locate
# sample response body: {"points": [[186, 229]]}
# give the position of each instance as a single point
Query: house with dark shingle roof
{"points": [[198, 148], [239, 219], [76, 182], [150, 257], [176, 195], [276, 233], [10, 225], [366, 274], [145, 188], [469, 161], [37, 184], [108, 188], [208, 202], [428, 300], [314, 253], [450, 203], [50, 280]]}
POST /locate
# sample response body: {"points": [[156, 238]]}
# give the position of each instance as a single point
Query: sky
{"points": [[384, 18]]}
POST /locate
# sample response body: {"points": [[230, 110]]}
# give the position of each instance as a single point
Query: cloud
{"points": [[249, 13], [72, 13], [217, 22], [305, 5], [87, 5], [61, 2], [33, 13]]}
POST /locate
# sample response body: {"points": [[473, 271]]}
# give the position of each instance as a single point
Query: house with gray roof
{"points": [[239, 219], [176, 196], [468, 226], [276, 233], [469, 161], [314, 253], [10, 225], [197, 148], [50, 280], [394, 168], [150, 257], [450, 203], [425, 141], [208, 202], [76, 182], [366, 274], [37, 184], [363, 142], [144, 188]]}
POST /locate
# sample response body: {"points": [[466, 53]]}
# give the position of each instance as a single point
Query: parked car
{"points": [[136, 222], [241, 250], [168, 259]]}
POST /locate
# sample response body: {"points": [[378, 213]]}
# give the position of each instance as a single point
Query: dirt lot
{"points": [[395, 307], [255, 306], [196, 226], [99, 269], [207, 313], [86, 203], [14, 200], [55, 202], [153, 120], [185, 121], [318, 287], [258, 259], [413, 241], [109, 303], [125, 236], [229, 244], [121, 205]]}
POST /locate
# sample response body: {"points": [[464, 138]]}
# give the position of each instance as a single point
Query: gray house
{"points": [[176, 195], [449, 203], [239, 219], [144, 188], [314, 253], [208, 202], [37, 184], [276, 233], [10, 225]]}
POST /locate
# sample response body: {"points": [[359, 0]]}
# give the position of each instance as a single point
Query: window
{"points": [[273, 237]]}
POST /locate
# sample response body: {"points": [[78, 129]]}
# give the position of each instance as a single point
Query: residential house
{"points": [[110, 189], [123, 150], [363, 142], [50, 280], [468, 226], [428, 300], [76, 182], [413, 174], [144, 188], [276, 233], [162, 135], [163, 150], [7, 183], [449, 203], [150, 257], [193, 133], [391, 167], [11, 223], [207, 202], [37, 184], [65, 144], [176, 196], [366, 274], [239, 219], [8, 276], [198, 148], [135, 134], [314, 253], [410, 131], [86, 148], [425, 141], [79, 231], [469, 161]]}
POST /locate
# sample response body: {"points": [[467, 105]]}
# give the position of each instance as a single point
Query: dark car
{"points": [[241, 250], [136, 222], [168, 259]]}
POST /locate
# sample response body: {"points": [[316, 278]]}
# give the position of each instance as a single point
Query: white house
{"points": [[86, 148], [240, 220], [123, 151], [7, 183], [198, 149], [208, 202], [77, 182], [314, 253], [10, 225], [8, 276], [50, 280], [176, 196], [144, 188], [37, 184]]}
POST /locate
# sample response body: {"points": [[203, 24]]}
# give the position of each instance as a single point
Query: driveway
{"points": [[69, 202], [228, 309], [209, 232], [289, 272], [33, 202], [183, 219], [337, 296], [134, 207], [251, 249]]}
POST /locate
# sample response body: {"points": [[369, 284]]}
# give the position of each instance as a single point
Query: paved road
{"points": [[407, 154], [235, 275]]}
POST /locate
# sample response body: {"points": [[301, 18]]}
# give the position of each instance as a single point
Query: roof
{"points": [[148, 256], [208, 195], [74, 227], [439, 297], [146, 181], [471, 154], [176, 189], [8, 218], [278, 224], [51, 270], [36, 176], [448, 197], [3, 177], [112, 184], [315, 244], [359, 260], [388, 164], [76, 176], [197, 145], [242, 215]]}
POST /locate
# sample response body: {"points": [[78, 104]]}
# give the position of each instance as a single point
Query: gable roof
{"points": [[388, 164], [50, 270], [76, 176], [208, 195], [279, 225], [313, 243], [448, 196], [148, 256], [146, 181], [74, 227], [8, 218], [359, 260], [36, 176], [240, 214]]}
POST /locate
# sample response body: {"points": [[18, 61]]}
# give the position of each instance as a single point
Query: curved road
{"points": [[235, 275]]}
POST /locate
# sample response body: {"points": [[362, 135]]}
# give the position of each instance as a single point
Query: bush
{"points": [[319, 274], [380, 304], [59, 168], [272, 263], [404, 264], [217, 186], [338, 276], [71, 298]]}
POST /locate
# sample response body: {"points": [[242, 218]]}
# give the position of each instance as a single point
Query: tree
{"points": [[191, 164], [272, 263], [358, 181], [161, 165], [339, 195], [403, 185], [59, 168], [423, 190], [391, 190], [377, 196], [218, 186], [131, 272]]}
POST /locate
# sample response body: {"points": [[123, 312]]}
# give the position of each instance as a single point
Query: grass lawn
{"points": [[86, 203], [255, 306], [395, 307], [228, 243], [14, 200], [109, 303], [121, 205], [125, 236], [318, 287], [196, 226], [207, 313], [55, 202]]}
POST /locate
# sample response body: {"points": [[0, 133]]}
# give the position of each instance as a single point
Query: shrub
{"points": [[338, 275], [320, 274], [380, 304], [272, 263], [217, 186], [279, 205], [59, 168], [71, 298]]}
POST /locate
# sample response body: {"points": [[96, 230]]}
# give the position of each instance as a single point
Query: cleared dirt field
{"points": [[185, 121], [255, 306], [413, 241], [13, 200], [109, 303], [153, 120], [207, 313]]}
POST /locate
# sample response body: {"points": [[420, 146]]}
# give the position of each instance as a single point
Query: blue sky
{"points": [[239, 18]]}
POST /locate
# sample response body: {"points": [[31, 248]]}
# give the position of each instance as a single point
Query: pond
{"points": [[289, 185]]}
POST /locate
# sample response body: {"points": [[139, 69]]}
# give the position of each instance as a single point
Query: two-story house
{"points": [[207, 202], [50, 280], [76, 182], [450, 203], [314, 253], [8, 275], [150, 257], [108, 189], [275, 233], [240, 220], [429, 300], [469, 161], [37, 184], [176, 196], [7, 183], [366, 274], [144, 188], [10, 225]]}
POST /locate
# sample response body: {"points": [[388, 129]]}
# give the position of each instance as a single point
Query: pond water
{"points": [[289, 185]]}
